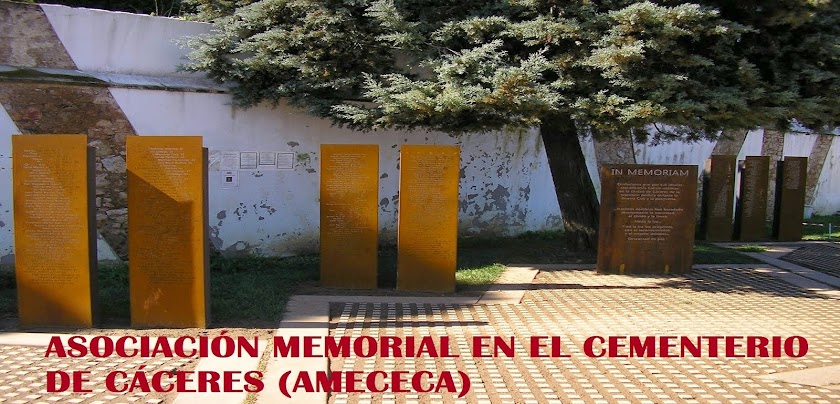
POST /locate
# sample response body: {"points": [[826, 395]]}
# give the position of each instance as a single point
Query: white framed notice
{"points": [[248, 160], [230, 179], [285, 161]]}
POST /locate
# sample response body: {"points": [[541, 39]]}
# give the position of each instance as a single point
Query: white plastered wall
{"points": [[7, 128], [505, 188]]}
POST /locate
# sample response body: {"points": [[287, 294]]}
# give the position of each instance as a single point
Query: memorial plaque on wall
{"points": [[167, 237], [647, 218], [427, 236], [720, 196], [752, 206], [349, 215], [790, 203], [55, 242]]}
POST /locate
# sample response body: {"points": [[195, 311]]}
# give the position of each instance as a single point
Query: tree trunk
{"points": [[572, 184]]}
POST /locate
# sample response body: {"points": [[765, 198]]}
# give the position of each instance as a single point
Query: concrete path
{"points": [[822, 256]]}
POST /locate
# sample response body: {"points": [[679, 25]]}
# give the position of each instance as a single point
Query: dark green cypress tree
{"points": [[575, 67]]}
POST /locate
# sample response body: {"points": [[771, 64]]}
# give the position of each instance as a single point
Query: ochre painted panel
{"points": [[349, 215], [55, 245], [167, 247], [427, 237]]}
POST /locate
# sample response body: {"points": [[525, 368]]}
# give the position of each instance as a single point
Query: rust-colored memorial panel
{"points": [[427, 236], [790, 202], [349, 215], [55, 242], [751, 215], [720, 196], [167, 222], [647, 218]]}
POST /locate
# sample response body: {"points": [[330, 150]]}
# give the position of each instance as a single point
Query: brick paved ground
{"points": [[819, 257], [572, 304], [23, 371], [578, 304]]}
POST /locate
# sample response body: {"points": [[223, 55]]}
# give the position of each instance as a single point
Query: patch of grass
{"points": [[245, 291], [750, 248], [249, 289], [113, 293], [476, 276], [816, 228], [712, 254]]}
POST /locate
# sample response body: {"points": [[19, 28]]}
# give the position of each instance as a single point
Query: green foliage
{"points": [[211, 10], [315, 53], [612, 66]]}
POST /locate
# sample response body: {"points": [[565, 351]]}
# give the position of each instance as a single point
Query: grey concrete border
{"points": [[309, 316], [772, 258], [799, 270], [805, 283]]}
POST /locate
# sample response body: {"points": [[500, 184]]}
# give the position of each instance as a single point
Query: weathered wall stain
{"points": [[216, 242], [7, 259]]}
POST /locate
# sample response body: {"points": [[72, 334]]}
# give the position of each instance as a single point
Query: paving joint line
{"points": [[826, 279], [308, 315], [823, 281]]}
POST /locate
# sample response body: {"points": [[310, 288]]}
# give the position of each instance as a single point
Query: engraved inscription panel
{"points": [[647, 218], [54, 248], [428, 218], [720, 194], [166, 240], [791, 205], [752, 209], [349, 215]]}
